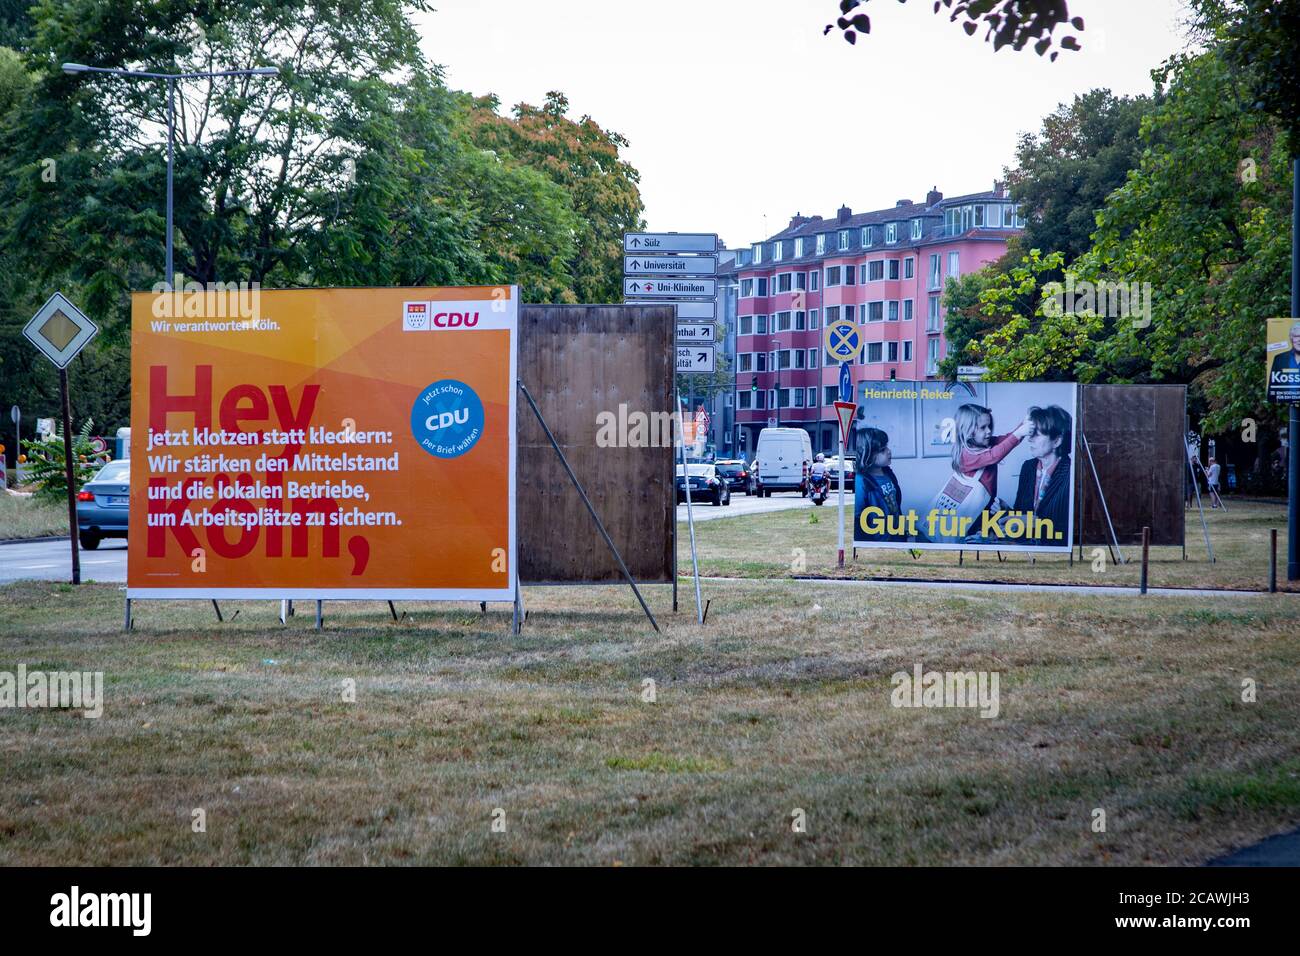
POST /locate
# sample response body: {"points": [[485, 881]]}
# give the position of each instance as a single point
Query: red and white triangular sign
{"points": [[844, 412]]}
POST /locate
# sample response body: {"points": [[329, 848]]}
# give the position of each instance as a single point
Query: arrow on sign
{"points": [[636, 242]]}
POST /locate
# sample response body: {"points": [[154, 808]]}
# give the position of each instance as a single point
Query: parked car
{"points": [[781, 457], [706, 485], [735, 472], [103, 504]]}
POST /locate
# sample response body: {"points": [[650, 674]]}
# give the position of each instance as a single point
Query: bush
{"points": [[45, 465]]}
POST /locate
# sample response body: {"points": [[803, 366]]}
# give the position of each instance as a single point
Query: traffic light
{"points": [[753, 384]]}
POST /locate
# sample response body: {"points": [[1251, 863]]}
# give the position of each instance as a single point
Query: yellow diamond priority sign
{"points": [[60, 330]]}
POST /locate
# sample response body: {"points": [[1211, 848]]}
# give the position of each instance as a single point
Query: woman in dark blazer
{"points": [[1044, 486]]}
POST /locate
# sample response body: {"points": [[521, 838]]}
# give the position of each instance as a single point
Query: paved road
{"points": [[52, 560], [747, 505]]}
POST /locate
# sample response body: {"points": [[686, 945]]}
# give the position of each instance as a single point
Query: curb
{"points": [[33, 540]]}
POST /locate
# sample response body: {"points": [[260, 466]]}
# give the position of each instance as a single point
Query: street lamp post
{"points": [[171, 79]]}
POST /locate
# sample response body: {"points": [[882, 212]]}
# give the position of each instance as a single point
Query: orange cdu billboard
{"points": [[323, 443]]}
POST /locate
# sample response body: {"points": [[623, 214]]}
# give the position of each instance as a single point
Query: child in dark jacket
{"points": [[876, 485]]}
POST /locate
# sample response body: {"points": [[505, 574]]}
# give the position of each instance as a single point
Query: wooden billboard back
{"points": [[1138, 438], [579, 361]]}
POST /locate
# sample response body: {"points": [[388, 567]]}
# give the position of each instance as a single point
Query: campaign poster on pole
{"points": [[1283, 360], [324, 444], [965, 466]]}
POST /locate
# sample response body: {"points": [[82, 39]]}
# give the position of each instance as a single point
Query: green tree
{"points": [[1064, 172], [585, 161], [1013, 23]]}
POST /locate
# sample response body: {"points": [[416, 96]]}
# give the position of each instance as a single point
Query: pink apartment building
{"points": [[883, 270]]}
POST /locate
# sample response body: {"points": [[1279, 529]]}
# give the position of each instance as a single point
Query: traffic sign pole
{"points": [[841, 500], [67, 471]]}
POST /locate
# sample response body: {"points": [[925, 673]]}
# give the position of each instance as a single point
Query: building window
{"points": [[799, 358], [832, 313], [892, 313], [893, 352], [832, 393], [782, 398], [873, 352], [800, 280], [784, 282], [844, 238], [916, 229], [821, 243], [935, 277], [893, 269], [760, 325], [907, 351], [954, 261], [814, 281], [850, 275], [760, 400], [812, 398], [979, 215], [868, 236], [891, 233], [876, 270], [875, 311], [932, 362], [812, 358], [745, 362], [762, 288], [783, 321], [907, 310], [784, 357], [800, 321], [743, 399], [995, 216], [798, 247], [758, 253], [746, 325], [760, 361], [849, 314], [813, 320], [798, 398], [932, 318], [832, 276], [746, 288], [909, 267], [778, 248]]}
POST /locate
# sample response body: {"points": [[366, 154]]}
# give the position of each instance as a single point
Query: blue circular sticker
{"points": [[447, 419]]}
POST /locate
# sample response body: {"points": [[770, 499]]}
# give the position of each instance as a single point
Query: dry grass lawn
{"points": [[785, 543], [22, 516], [782, 701]]}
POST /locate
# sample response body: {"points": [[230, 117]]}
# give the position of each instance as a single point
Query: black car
{"points": [[735, 473], [706, 485]]}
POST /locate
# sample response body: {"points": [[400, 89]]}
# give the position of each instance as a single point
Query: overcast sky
{"points": [[738, 110]]}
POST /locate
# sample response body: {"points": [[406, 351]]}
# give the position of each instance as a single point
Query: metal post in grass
{"points": [[1146, 556], [1272, 561]]}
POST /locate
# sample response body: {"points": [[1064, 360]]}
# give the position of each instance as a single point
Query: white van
{"points": [[781, 455]]}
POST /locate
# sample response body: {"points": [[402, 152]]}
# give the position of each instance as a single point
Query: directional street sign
{"points": [[60, 330], [670, 242], [846, 383], [670, 288], [843, 340], [695, 358], [695, 333], [686, 311], [670, 265]]}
